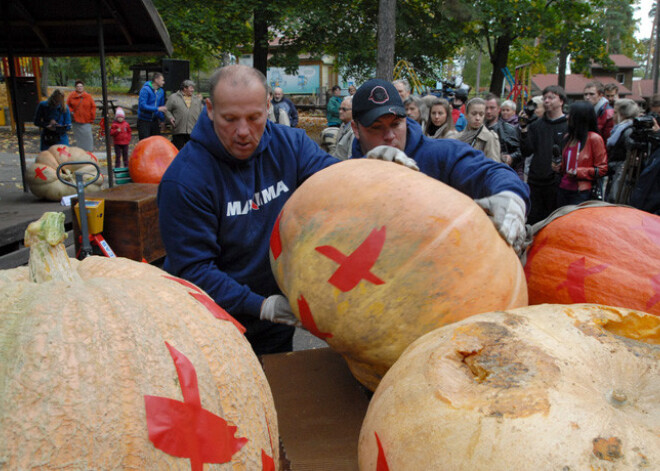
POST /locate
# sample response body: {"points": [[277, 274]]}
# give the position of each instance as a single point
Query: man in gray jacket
{"points": [[183, 109]]}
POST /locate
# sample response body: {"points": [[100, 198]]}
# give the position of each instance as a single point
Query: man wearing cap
{"points": [[219, 199], [379, 119]]}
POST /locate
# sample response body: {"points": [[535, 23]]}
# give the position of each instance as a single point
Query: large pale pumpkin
{"points": [[113, 364], [150, 158], [547, 387], [372, 255], [608, 255], [41, 175]]}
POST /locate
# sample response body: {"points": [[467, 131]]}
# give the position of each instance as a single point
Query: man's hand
{"points": [[507, 211], [276, 309], [392, 154], [162, 108]]}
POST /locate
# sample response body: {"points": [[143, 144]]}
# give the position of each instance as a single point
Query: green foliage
{"points": [[427, 33], [202, 30]]}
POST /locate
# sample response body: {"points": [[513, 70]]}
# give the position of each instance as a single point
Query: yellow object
{"points": [[94, 215], [2, 117], [415, 84]]}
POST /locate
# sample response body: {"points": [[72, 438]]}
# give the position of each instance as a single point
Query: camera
{"points": [[644, 123], [642, 131]]}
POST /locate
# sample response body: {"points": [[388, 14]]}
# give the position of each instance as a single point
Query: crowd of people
{"points": [[566, 153]]}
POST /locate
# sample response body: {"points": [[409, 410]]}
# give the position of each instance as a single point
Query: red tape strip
{"points": [[308, 320], [267, 463], [382, 461], [211, 305], [275, 239]]}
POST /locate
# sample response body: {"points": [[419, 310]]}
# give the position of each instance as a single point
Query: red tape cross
{"points": [[357, 265], [39, 173], [575, 279], [208, 303], [184, 429]]}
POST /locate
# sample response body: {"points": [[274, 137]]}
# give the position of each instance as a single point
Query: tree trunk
{"points": [[499, 59], [386, 36], [260, 48], [652, 42], [563, 59]]}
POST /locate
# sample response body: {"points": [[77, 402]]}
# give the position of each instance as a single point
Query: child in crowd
{"points": [[477, 134], [121, 137]]}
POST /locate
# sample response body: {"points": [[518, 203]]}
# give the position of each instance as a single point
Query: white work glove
{"points": [[276, 309], [392, 154], [507, 211]]}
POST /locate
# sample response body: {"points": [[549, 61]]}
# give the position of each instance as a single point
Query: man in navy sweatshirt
{"points": [[379, 120], [219, 199]]}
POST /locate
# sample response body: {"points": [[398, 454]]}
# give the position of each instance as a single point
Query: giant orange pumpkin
{"points": [[41, 176], [113, 364], [607, 255], [547, 387], [372, 255], [150, 158]]}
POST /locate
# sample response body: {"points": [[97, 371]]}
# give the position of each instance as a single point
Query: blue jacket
{"points": [[149, 101], [289, 108], [42, 117], [217, 212], [458, 165]]}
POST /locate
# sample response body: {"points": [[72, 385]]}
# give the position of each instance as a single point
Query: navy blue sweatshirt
{"points": [[217, 212]]}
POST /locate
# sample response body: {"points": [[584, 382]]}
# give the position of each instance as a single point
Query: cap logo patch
{"points": [[379, 95]]}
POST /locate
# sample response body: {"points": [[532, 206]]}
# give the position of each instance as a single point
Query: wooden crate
{"points": [[130, 224]]}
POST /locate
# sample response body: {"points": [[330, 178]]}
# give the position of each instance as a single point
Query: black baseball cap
{"points": [[374, 99]]}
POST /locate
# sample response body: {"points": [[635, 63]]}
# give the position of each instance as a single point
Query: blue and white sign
{"points": [[306, 81]]}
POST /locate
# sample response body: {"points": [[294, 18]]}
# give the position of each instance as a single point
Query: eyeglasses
{"points": [[341, 108]]}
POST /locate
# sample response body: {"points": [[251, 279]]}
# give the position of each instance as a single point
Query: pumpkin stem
{"points": [[48, 257]]}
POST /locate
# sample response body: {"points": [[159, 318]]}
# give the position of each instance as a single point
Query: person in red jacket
{"points": [[83, 112], [583, 155], [593, 93], [121, 137]]}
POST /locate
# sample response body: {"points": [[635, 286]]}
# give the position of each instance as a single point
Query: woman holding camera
{"points": [[583, 158]]}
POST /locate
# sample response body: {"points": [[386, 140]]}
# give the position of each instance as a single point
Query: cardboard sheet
{"points": [[320, 408]]}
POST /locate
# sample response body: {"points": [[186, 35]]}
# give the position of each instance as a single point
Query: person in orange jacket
{"points": [[83, 112], [121, 137]]}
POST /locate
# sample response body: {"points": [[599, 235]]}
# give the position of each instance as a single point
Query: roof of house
{"points": [[620, 61], [643, 88], [575, 83]]}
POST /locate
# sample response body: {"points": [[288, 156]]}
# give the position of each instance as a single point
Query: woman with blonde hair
{"points": [[416, 110], [440, 124], [476, 133]]}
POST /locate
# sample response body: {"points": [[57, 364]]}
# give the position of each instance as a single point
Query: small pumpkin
{"points": [[114, 364], [606, 255], [547, 387], [41, 175], [150, 158], [372, 255]]}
